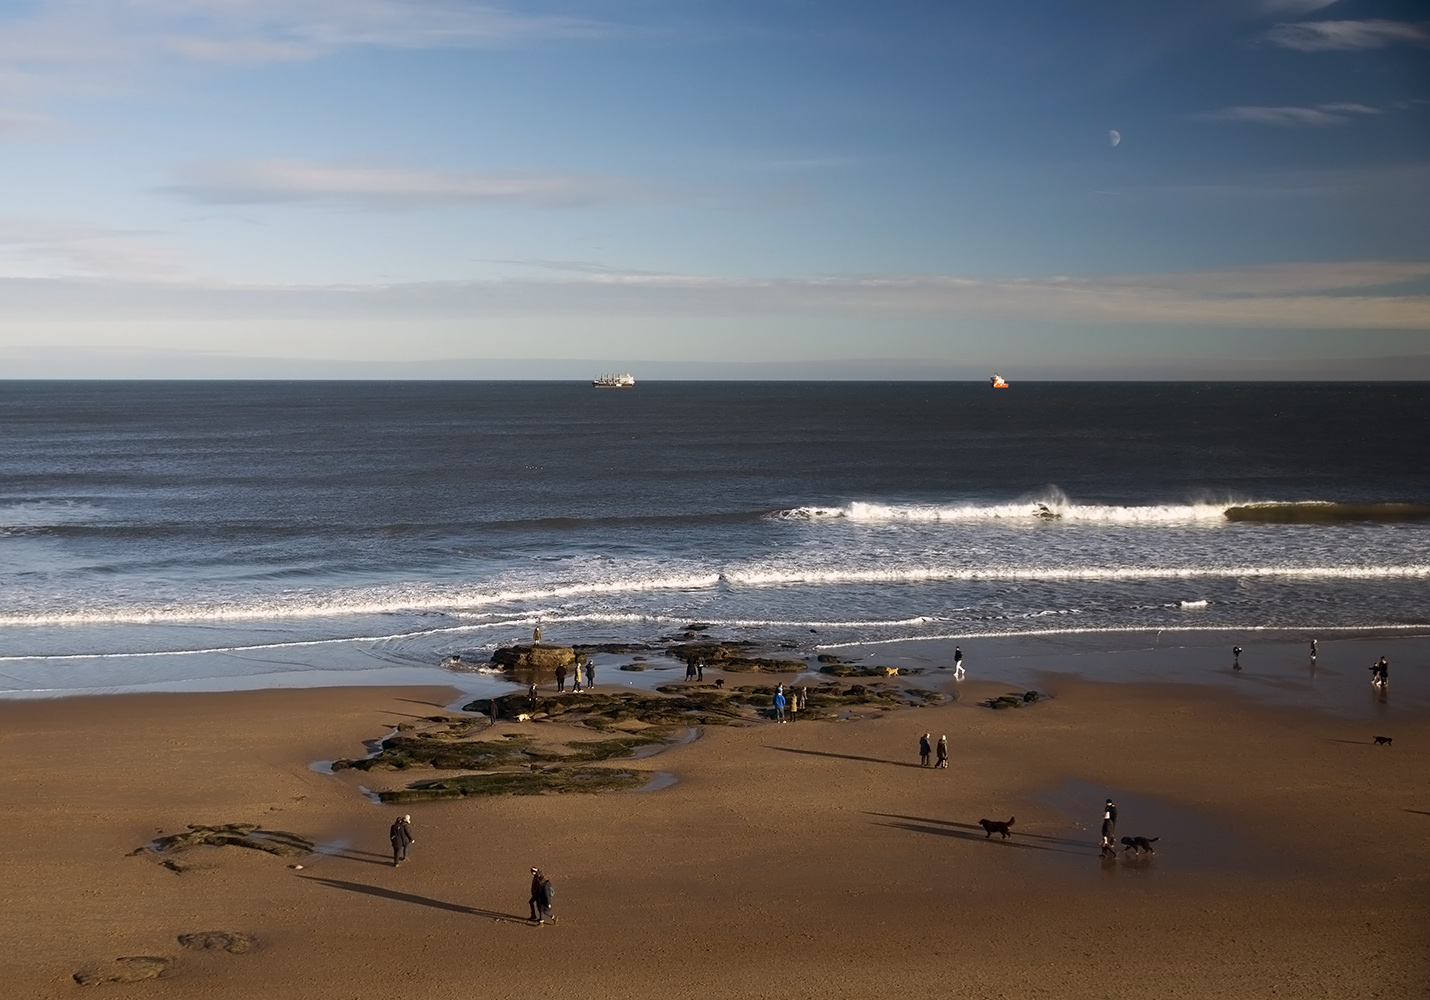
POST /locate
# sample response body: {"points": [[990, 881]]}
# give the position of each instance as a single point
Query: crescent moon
{"points": [[1114, 136]]}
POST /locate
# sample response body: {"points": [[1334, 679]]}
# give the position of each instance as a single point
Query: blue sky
{"points": [[723, 189]]}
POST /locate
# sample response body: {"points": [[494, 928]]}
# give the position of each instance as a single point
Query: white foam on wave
{"points": [[1120, 629], [359, 604], [470, 601], [916, 574], [1052, 508]]}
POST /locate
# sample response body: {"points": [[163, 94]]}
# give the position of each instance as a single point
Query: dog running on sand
{"points": [[1382, 741], [992, 826], [1139, 844]]}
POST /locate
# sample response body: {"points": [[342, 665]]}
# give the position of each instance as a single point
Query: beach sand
{"points": [[806, 860]]}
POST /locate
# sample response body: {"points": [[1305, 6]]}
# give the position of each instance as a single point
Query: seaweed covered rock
{"points": [[286, 845], [545, 782], [535, 656], [132, 969], [1013, 700], [233, 942], [733, 655]]}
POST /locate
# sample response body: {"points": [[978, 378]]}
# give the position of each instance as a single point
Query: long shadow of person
{"points": [[411, 897]]}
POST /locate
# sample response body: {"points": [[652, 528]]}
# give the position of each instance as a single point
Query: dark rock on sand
{"points": [[230, 941], [132, 969], [287, 845], [544, 782], [732, 656], [538, 656]]}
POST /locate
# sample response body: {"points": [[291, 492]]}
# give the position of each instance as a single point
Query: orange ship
{"points": [[997, 381]]}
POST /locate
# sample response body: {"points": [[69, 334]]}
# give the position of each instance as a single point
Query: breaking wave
{"points": [[459, 602], [1059, 508]]}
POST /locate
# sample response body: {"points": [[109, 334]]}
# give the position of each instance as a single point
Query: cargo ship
{"points": [[625, 380]]}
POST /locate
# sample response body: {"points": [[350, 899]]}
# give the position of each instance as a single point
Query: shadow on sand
{"points": [[972, 831], [408, 897], [846, 756], [353, 854]]}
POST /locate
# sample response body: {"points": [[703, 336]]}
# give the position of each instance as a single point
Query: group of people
{"points": [[695, 670], [789, 706], [588, 666], [1380, 672], [926, 750], [543, 893]]}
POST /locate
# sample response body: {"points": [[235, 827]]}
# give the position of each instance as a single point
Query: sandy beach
{"points": [[808, 860]]}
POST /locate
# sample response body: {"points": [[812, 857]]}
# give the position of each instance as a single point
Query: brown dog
{"points": [[992, 826], [1383, 741]]}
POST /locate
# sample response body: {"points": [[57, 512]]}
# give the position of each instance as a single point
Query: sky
{"points": [[707, 189]]}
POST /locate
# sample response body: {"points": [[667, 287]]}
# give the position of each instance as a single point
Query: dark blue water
{"points": [[248, 529]]}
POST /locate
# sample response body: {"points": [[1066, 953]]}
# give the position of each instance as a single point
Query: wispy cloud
{"points": [[81, 46], [21, 125], [1293, 7], [1328, 36], [43, 248], [1368, 295], [268, 181], [1338, 113]]}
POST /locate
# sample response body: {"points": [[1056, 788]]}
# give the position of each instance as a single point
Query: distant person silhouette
{"points": [[925, 749]]}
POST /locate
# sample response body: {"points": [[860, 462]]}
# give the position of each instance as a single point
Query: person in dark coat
{"points": [[401, 837], [590, 674], [924, 750], [943, 751], [561, 678], [541, 896], [1109, 827]]}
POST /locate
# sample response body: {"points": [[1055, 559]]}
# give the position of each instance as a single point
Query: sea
{"points": [[219, 535]]}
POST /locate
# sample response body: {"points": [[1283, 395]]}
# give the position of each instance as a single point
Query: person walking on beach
{"points": [[1236, 657], [943, 751], [924, 750], [542, 895], [560, 678], [1109, 827], [590, 674], [1313, 650], [700, 671], [576, 678], [401, 837], [780, 703], [1380, 672], [957, 658]]}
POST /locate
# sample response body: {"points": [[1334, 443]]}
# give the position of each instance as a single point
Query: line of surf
{"points": [[466, 602], [1058, 508], [1320, 628]]}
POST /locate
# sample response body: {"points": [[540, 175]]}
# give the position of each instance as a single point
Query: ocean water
{"points": [[239, 534]]}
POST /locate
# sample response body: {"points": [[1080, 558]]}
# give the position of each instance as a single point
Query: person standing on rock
{"points": [[925, 748], [943, 751], [401, 837]]}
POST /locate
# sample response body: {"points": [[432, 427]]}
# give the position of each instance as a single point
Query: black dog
{"points": [[1139, 844], [1382, 741], [992, 826]]}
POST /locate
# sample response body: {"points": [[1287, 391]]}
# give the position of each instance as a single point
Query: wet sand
{"points": [[804, 860]]}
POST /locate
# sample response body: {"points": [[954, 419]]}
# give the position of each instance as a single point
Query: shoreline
{"points": [[1276, 667]]}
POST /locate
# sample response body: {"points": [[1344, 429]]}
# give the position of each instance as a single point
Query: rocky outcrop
{"points": [[286, 845]]}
